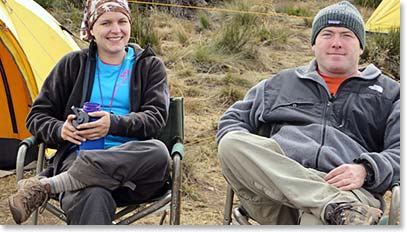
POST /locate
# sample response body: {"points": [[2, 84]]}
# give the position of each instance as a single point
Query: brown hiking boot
{"points": [[352, 213], [30, 195]]}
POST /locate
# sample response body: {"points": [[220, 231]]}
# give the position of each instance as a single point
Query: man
{"points": [[331, 145], [130, 84]]}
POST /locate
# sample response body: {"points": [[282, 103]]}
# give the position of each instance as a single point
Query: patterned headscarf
{"points": [[95, 8]]}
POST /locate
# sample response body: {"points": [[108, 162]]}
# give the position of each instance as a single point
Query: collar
{"points": [[310, 72]]}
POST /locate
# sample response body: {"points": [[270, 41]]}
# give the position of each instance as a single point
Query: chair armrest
{"points": [[24, 145], [21, 153], [178, 148], [29, 142]]}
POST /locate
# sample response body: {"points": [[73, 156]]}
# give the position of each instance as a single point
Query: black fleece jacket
{"points": [[64, 87]]}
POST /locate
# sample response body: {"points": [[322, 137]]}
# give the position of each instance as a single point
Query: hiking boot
{"points": [[30, 195], [352, 213]]}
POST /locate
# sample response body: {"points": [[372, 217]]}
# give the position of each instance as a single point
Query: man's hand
{"points": [[347, 176], [69, 133], [97, 129]]}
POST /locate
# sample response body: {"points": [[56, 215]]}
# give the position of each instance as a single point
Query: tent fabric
{"points": [[31, 43], [385, 18]]}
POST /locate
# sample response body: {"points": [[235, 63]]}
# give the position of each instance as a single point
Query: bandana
{"points": [[95, 8]]}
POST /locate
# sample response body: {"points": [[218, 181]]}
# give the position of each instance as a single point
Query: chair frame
{"points": [[172, 135], [239, 215]]}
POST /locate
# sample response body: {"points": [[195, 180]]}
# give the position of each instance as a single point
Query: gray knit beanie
{"points": [[342, 14]]}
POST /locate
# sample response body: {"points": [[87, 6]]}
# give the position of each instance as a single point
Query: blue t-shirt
{"points": [[111, 89]]}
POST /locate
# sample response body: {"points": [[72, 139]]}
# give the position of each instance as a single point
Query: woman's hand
{"points": [[69, 132], [97, 129]]}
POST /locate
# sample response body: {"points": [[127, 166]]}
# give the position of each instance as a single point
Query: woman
{"points": [[130, 84]]}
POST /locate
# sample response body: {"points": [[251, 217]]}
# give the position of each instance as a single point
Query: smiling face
{"points": [[112, 33], [337, 51]]}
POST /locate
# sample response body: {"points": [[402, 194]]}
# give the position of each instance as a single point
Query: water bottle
{"points": [[97, 144]]}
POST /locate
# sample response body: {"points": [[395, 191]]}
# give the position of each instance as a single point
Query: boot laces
{"points": [[343, 211], [33, 197]]}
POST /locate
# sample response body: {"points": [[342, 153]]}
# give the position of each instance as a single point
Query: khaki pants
{"points": [[275, 189]]}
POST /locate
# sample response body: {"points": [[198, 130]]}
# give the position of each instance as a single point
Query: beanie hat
{"points": [[342, 14], [95, 8]]}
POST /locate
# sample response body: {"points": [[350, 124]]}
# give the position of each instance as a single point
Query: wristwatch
{"points": [[369, 179]]}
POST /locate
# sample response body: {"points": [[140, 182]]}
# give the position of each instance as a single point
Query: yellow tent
{"points": [[385, 18], [31, 42]]}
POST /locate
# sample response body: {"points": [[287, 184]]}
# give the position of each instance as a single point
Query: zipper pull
{"points": [[332, 98]]}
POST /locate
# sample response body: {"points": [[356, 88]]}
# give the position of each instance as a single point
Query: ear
{"points": [[361, 52], [313, 48], [91, 33]]}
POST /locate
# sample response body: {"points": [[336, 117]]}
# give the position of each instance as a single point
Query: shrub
{"points": [[278, 37], [368, 3], [291, 9], [46, 4], [203, 21], [237, 32], [383, 50], [229, 95], [142, 31]]}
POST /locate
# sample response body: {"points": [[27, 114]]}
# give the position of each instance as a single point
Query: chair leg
{"points": [[240, 217], [39, 168], [394, 214], [175, 210], [227, 213], [163, 217]]}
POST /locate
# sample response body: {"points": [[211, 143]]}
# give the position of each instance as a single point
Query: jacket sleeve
{"points": [[47, 116], [153, 113], [243, 115], [386, 164]]}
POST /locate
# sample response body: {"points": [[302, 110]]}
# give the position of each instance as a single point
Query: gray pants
{"points": [[128, 174], [275, 189]]}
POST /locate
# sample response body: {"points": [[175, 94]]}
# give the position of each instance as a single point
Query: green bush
{"points": [[45, 3], [142, 31], [236, 33], [383, 50], [368, 3], [291, 9], [278, 37], [203, 21]]}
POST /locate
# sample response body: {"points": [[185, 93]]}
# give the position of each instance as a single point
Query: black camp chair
{"points": [[238, 215], [172, 135]]}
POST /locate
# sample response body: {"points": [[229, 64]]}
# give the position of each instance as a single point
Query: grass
{"points": [[236, 34], [143, 31], [204, 21], [368, 3], [384, 51]]}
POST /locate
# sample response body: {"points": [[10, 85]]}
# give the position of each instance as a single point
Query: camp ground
{"points": [[386, 17], [31, 42]]}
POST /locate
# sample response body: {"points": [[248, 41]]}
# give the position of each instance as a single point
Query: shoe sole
{"points": [[14, 212]]}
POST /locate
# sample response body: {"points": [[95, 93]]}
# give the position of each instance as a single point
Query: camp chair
{"points": [[172, 135], [241, 217]]}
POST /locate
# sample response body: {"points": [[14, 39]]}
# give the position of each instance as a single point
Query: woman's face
{"points": [[112, 33]]}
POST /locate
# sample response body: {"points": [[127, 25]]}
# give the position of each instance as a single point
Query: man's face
{"points": [[337, 51]]}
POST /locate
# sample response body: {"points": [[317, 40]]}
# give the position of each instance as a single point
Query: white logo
{"points": [[336, 22], [378, 88]]}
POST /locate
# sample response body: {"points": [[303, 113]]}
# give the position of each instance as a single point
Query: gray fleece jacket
{"points": [[321, 131]]}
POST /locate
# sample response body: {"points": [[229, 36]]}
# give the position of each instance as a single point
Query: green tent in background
{"points": [[385, 17]]}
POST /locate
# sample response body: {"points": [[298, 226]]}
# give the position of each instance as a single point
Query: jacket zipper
{"points": [[326, 110], [331, 99]]}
